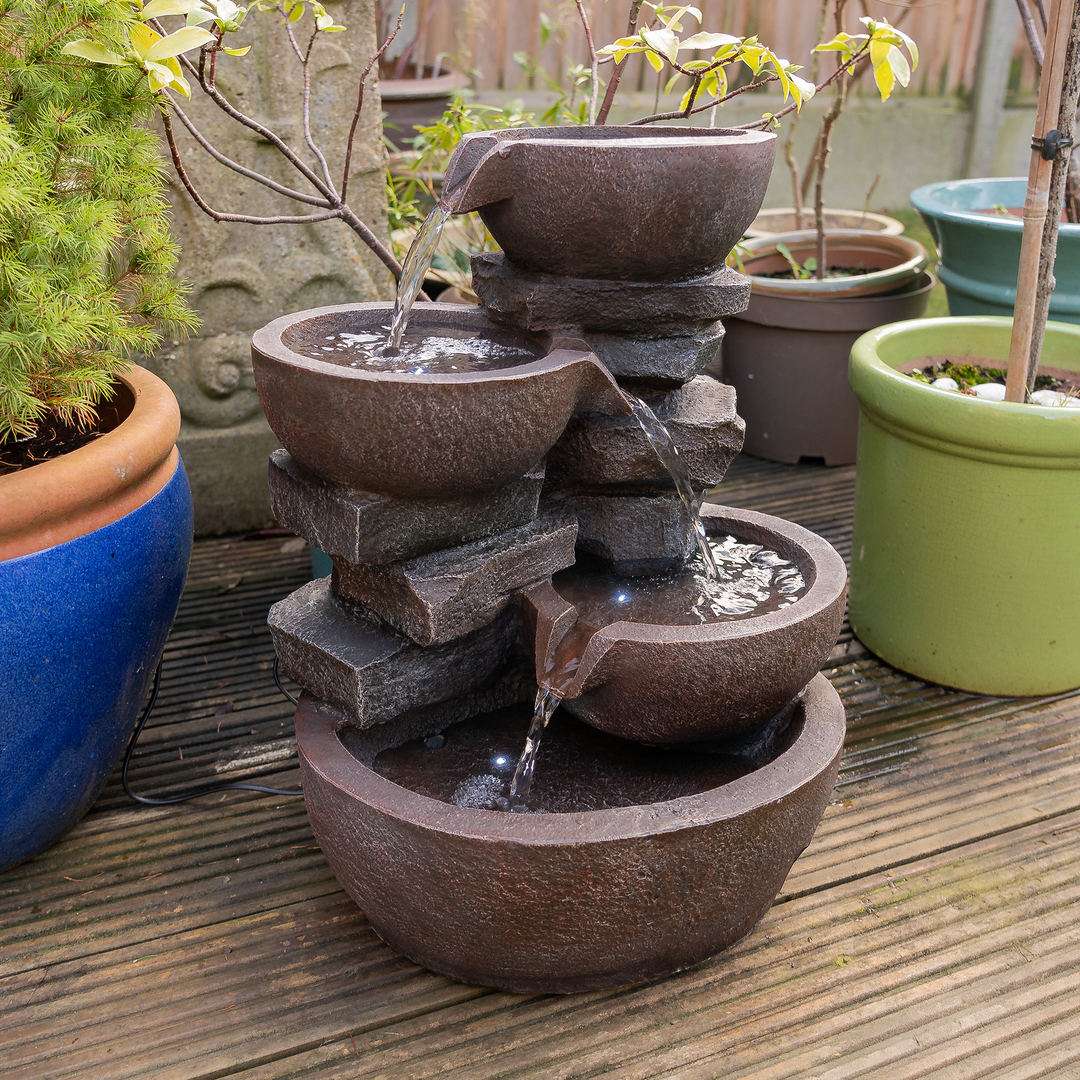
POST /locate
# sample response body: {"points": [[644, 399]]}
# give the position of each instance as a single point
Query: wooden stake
{"points": [[1024, 348]]}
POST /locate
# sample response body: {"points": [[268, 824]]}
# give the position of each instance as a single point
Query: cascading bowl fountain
{"points": [[425, 481]]}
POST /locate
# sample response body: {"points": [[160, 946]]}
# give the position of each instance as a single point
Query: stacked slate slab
{"points": [[656, 339], [421, 618]]}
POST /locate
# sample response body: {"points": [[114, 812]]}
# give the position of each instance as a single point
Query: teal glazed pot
{"points": [[94, 550], [980, 251], [965, 559]]}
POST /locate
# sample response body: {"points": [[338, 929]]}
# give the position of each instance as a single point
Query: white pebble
{"points": [[945, 383], [1055, 399], [990, 391]]}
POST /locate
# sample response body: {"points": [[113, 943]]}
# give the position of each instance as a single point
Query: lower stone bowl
{"points": [[558, 903], [670, 684], [418, 434]]}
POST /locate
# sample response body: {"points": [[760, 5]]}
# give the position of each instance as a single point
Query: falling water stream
{"points": [[413, 270], [564, 662]]}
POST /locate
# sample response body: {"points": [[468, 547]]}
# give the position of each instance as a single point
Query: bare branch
{"points": [[682, 114], [217, 215], [1032, 35], [259, 178], [376, 245], [593, 58], [360, 105], [319, 157], [616, 75]]}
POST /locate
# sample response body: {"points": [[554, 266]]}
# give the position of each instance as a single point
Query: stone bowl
{"points": [[558, 903], [614, 203], [712, 681], [421, 435]]}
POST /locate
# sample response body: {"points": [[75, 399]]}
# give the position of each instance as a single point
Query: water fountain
{"points": [[493, 511]]}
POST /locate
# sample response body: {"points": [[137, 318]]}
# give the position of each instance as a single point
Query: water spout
{"points": [[413, 270]]}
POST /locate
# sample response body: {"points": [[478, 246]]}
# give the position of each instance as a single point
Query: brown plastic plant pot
{"points": [[787, 358], [713, 681], [558, 903], [884, 263], [616, 203], [421, 435]]}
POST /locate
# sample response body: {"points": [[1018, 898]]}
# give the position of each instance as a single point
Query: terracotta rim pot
{"points": [[719, 680], [557, 903], [782, 220], [967, 516], [422, 436], [890, 262], [96, 546]]}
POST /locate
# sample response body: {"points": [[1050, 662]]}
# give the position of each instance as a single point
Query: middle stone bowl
{"points": [[670, 684], [414, 433]]}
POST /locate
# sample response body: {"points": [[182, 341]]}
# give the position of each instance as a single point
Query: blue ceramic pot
{"points": [[980, 252], [82, 625]]}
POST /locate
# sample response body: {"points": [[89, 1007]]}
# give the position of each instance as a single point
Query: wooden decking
{"points": [[932, 928]]}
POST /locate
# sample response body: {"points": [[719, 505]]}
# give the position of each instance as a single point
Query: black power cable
{"points": [[146, 800]]}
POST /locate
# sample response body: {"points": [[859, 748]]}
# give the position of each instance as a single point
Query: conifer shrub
{"points": [[86, 256]]}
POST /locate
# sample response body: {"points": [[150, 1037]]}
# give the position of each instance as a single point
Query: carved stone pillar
{"points": [[244, 275]]}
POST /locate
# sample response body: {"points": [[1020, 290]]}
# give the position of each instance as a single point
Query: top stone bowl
{"points": [[613, 203]]}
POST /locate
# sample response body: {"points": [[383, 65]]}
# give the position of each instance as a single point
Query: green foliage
{"points": [[85, 251], [799, 273]]}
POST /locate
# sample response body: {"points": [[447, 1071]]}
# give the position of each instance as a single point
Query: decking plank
{"points": [[929, 930]]}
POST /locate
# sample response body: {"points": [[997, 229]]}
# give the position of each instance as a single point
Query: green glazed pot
{"points": [[980, 250], [966, 550]]}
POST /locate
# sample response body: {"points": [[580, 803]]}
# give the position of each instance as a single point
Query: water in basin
{"points": [[471, 764], [421, 352]]}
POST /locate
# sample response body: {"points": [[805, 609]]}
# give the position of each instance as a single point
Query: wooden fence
{"points": [[483, 36]]}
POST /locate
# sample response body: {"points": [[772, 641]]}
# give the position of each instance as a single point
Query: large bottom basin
{"points": [[564, 902]]}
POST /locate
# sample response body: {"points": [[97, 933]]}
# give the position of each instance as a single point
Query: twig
{"points": [[360, 103], [616, 75], [682, 114], [594, 60], [1031, 33], [216, 154], [306, 63], [825, 143]]}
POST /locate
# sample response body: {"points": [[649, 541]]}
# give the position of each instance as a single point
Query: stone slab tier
{"points": [[442, 596], [373, 674], [361, 527], [544, 302], [634, 534], [602, 451]]}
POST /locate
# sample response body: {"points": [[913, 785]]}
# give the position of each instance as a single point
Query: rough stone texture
{"points": [[371, 673], [377, 529], [637, 534], [225, 467], [556, 903], [242, 275], [418, 435], [670, 359], [619, 204], [540, 302], [658, 683], [606, 450], [439, 597]]}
